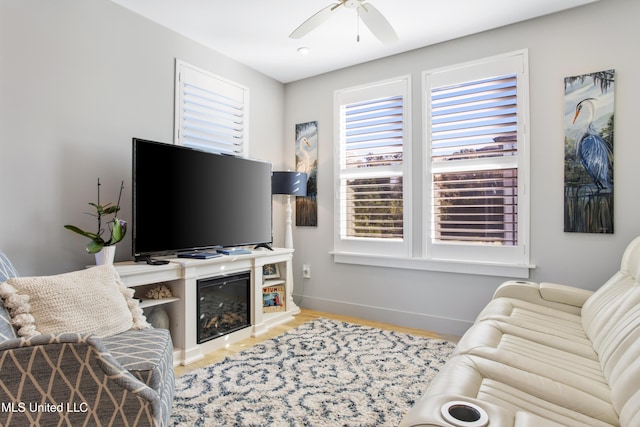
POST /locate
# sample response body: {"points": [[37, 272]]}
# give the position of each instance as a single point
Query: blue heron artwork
{"points": [[307, 162], [588, 152]]}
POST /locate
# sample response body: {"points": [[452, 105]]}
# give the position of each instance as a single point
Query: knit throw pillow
{"points": [[91, 301]]}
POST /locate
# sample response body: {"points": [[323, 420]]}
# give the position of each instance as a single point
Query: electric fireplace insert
{"points": [[223, 305]]}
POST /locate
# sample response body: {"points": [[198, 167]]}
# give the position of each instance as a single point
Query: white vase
{"points": [[159, 318], [106, 255]]}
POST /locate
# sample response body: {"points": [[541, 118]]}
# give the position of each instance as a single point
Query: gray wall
{"points": [[79, 79], [591, 38]]}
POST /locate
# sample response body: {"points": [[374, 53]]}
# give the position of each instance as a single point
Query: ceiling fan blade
{"points": [[315, 21], [377, 23]]}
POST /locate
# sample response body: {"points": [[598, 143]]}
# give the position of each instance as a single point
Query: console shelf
{"points": [[147, 302], [272, 282], [181, 275]]}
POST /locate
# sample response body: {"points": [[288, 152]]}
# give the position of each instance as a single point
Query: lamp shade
{"points": [[290, 183]]}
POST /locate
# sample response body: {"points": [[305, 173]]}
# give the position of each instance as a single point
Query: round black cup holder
{"points": [[465, 414]]}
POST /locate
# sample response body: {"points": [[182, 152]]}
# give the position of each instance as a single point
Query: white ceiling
{"points": [[255, 32]]}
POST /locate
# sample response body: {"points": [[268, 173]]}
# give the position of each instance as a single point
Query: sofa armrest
{"points": [[547, 294], [76, 379], [564, 294], [428, 411]]}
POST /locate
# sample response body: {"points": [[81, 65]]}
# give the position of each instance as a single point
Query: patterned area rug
{"points": [[322, 373]]}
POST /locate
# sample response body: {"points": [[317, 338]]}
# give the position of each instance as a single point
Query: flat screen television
{"points": [[186, 200]]}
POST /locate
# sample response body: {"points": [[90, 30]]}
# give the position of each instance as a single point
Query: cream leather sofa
{"points": [[545, 355]]}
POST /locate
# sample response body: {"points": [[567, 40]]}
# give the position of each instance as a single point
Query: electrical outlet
{"points": [[306, 271]]}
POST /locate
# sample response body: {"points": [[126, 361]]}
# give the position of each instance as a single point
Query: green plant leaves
{"points": [[117, 227], [118, 230], [95, 246], [81, 232]]}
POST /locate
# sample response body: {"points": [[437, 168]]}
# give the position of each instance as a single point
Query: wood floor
{"points": [[304, 316]]}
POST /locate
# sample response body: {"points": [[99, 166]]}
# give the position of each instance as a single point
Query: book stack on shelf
{"points": [[273, 293]]}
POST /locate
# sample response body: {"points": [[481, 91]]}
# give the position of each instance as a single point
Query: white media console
{"points": [[181, 276]]}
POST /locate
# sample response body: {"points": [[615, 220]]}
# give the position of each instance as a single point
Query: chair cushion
{"points": [[91, 301], [7, 271]]}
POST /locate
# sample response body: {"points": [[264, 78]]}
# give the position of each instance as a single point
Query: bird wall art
{"points": [[588, 152], [307, 162]]}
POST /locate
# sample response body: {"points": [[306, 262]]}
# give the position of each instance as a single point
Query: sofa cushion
{"points": [[603, 310], [620, 361], [518, 390], [7, 271], [7, 331], [91, 301], [574, 364], [535, 317]]}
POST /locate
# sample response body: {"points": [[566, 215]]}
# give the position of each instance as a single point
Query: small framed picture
{"points": [[270, 271]]}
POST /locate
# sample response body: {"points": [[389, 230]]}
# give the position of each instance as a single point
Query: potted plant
{"points": [[104, 249]]}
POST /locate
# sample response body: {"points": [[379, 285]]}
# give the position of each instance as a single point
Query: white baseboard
{"points": [[439, 325]]}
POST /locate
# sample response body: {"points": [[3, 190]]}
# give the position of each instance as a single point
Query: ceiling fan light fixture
{"points": [[303, 50]]}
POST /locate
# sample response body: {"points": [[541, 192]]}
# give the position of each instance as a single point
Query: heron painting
{"points": [[307, 161], [588, 152]]}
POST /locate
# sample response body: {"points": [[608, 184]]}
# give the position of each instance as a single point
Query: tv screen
{"points": [[187, 200]]}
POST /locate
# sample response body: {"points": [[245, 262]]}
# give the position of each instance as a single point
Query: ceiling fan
{"points": [[372, 18]]}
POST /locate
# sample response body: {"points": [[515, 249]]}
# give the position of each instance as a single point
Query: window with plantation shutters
{"points": [[469, 213], [477, 160], [371, 175], [475, 201], [211, 112]]}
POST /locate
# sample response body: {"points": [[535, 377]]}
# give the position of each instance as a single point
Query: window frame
{"points": [[516, 256], [398, 86], [419, 254]]}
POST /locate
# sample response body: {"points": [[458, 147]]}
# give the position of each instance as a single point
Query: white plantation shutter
{"points": [[373, 140], [475, 119], [211, 112], [371, 182], [474, 199], [476, 206], [475, 134]]}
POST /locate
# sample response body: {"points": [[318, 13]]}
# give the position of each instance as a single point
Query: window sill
{"points": [[448, 266]]}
